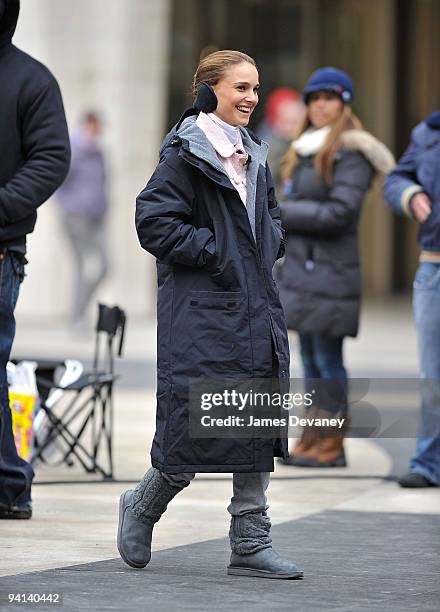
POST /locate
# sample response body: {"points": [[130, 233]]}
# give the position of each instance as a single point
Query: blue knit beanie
{"points": [[330, 79]]}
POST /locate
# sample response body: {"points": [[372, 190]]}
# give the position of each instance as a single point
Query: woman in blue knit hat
{"points": [[327, 173]]}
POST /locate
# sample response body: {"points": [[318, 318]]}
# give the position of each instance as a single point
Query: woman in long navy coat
{"points": [[209, 216]]}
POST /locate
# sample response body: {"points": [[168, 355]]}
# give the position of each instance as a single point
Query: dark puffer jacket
{"points": [[319, 278]]}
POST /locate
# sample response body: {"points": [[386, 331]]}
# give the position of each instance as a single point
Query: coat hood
{"points": [[8, 22], [379, 156], [200, 146]]}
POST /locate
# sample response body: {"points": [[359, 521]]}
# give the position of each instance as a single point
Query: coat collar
{"points": [[198, 144], [216, 136], [379, 156], [424, 135]]}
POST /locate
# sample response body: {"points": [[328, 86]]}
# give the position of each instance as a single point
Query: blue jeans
{"points": [[15, 473], [426, 306], [322, 359]]}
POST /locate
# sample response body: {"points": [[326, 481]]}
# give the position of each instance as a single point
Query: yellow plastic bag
{"points": [[23, 398], [22, 407]]}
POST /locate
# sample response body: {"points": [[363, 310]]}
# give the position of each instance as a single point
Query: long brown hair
{"points": [[212, 67], [325, 157]]}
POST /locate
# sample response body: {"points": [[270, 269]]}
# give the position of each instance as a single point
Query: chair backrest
{"points": [[111, 322], [71, 373]]}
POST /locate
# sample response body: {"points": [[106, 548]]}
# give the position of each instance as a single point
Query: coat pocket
{"points": [[217, 322]]}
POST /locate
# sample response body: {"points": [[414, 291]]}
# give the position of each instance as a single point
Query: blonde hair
{"points": [[212, 67], [325, 157]]}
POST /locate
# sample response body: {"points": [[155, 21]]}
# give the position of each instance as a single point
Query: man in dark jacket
{"points": [[34, 160], [413, 188]]}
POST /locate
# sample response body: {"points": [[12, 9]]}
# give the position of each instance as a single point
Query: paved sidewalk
{"points": [[352, 561], [364, 543], [70, 506]]}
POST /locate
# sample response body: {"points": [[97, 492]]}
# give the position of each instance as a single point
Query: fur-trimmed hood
{"points": [[373, 149]]}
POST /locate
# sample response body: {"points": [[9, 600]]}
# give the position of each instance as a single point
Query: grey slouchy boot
{"points": [[252, 552], [139, 510]]}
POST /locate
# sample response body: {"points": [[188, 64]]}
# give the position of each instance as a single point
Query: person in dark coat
{"points": [[209, 216], [327, 173], [413, 188], [34, 159]]}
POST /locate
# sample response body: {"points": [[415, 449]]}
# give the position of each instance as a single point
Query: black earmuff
{"points": [[205, 100]]}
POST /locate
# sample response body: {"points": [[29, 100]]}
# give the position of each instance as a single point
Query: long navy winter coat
{"points": [[218, 309]]}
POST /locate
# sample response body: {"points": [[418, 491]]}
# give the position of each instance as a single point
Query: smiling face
{"points": [[237, 93], [324, 107]]}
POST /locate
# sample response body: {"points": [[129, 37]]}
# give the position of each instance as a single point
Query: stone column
{"points": [[111, 56]]}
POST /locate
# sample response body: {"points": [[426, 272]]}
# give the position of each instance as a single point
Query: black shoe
{"points": [[413, 480], [23, 511]]}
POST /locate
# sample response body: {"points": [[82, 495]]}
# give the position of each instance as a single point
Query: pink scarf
{"points": [[233, 158]]}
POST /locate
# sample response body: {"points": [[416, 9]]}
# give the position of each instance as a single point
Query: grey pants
{"points": [[91, 264], [249, 490]]}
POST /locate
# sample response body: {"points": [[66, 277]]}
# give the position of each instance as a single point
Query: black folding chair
{"points": [[79, 422]]}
